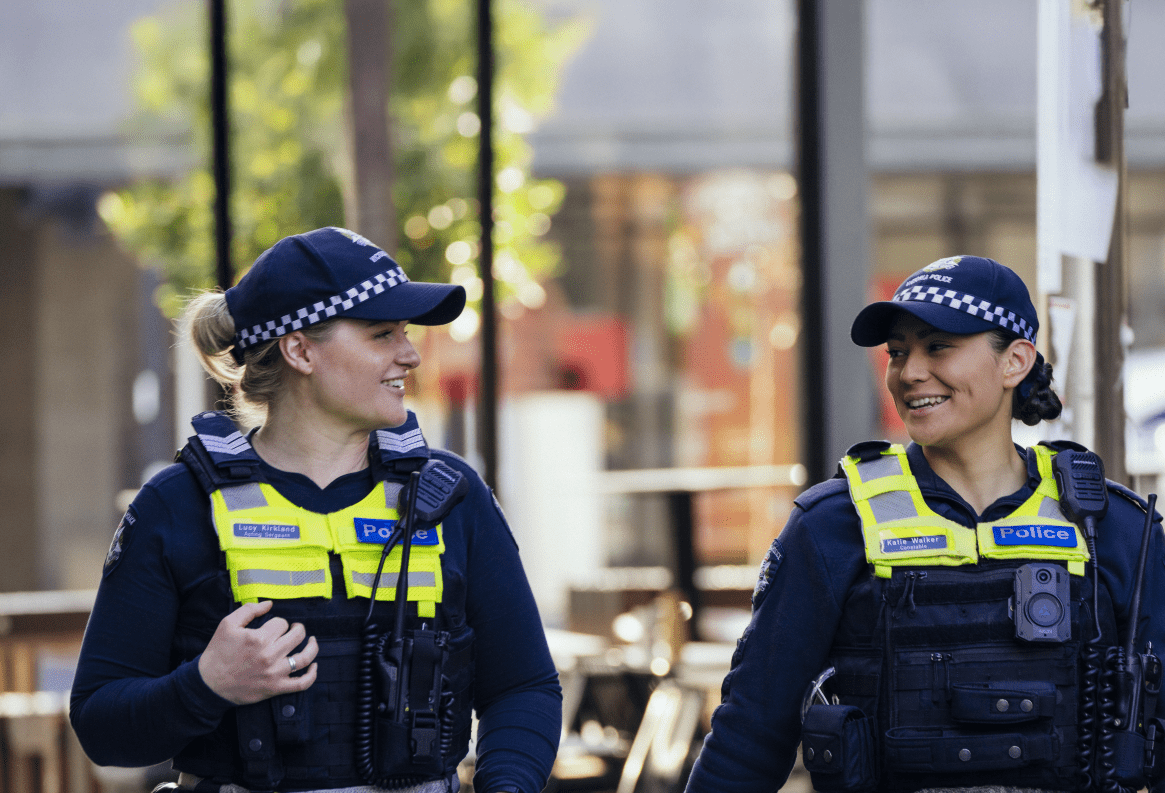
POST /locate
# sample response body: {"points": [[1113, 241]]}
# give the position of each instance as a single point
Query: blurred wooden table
{"points": [[40, 637]]}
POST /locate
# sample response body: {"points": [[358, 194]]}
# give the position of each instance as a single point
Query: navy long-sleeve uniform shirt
{"points": [[804, 584], [134, 704]]}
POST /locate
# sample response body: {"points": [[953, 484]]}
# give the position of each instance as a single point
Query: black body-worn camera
{"points": [[1042, 604]]}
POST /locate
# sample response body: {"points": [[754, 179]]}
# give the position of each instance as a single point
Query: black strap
{"points": [[424, 693], [868, 450]]}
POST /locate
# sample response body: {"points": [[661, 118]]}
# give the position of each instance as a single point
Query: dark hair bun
{"points": [[1041, 403]]}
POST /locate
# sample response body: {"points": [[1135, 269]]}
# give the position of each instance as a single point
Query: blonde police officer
{"points": [[234, 629]]}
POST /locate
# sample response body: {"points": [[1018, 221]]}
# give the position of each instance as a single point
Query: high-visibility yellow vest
{"points": [[900, 529], [277, 550]]}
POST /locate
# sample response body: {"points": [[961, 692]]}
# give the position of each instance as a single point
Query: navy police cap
{"points": [[325, 273], [959, 294]]}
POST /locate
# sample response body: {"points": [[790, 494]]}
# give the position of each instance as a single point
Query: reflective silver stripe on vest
{"points": [[1050, 508], [389, 579], [392, 494], [886, 465], [245, 496], [893, 505], [281, 577]]}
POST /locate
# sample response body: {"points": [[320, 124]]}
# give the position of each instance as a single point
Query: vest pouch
{"points": [[262, 765], [1006, 702], [291, 715], [837, 748], [1155, 750], [930, 751], [456, 712], [1128, 758]]}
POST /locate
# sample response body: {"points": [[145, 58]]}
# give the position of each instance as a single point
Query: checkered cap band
{"points": [[318, 312], [969, 304]]}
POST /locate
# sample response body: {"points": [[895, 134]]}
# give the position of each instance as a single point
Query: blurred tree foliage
{"points": [[289, 138]]}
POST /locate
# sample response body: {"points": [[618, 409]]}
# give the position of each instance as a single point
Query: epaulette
{"points": [[1114, 487], [398, 450], [218, 455], [821, 491], [1130, 496]]}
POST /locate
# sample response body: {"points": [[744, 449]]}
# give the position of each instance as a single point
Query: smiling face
{"points": [[358, 373], [950, 389]]}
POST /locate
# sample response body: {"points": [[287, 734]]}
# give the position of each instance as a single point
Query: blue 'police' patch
{"points": [[1058, 536], [378, 530], [911, 544], [267, 531], [373, 530], [425, 537]]}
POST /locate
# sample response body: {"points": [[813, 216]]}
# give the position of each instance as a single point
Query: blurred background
{"points": [[688, 202]]}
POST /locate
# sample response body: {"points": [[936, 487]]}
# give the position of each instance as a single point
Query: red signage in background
{"points": [[458, 387], [592, 355]]}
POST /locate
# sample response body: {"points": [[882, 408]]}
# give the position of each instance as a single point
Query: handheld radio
{"points": [[399, 725]]}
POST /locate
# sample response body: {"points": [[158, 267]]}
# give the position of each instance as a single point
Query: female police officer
{"points": [[926, 618], [304, 686]]}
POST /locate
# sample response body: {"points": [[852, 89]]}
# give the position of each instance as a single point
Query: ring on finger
{"points": [[291, 663]]}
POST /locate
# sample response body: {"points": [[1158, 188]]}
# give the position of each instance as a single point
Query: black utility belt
{"points": [[198, 785]]}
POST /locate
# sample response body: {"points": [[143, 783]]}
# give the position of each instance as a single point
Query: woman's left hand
{"points": [[245, 665]]}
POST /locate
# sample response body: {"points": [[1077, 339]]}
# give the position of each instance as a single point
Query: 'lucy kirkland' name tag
{"points": [[267, 531]]}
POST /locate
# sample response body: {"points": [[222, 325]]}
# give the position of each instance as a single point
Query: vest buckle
{"points": [[424, 733]]}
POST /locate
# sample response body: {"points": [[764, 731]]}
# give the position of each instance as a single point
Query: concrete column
{"points": [[838, 395]]}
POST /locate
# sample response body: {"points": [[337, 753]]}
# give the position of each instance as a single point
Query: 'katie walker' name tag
{"points": [[913, 544]]}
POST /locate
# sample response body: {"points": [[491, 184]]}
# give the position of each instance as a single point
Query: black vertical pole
{"points": [[814, 451], [220, 165], [683, 537], [488, 409], [220, 133]]}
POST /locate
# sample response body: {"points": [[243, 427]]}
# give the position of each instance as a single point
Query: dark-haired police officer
{"points": [[233, 631], [927, 618]]}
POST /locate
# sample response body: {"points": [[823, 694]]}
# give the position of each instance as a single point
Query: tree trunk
{"points": [[369, 62]]}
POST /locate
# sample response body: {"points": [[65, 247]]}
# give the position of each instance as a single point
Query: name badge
{"points": [[378, 530], [267, 531], [912, 544], [1058, 536]]}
